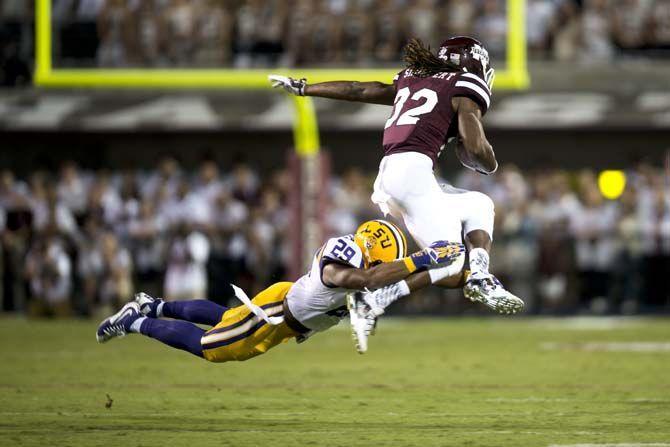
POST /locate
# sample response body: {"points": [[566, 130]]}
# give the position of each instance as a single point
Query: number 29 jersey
{"points": [[316, 304], [423, 117]]}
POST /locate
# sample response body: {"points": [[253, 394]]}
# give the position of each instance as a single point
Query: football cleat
{"points": [[118, 325], [148, 304], [363, 321], [487, 289]]}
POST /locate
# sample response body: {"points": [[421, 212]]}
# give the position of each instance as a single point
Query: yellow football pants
{"points": [[242, 335]]}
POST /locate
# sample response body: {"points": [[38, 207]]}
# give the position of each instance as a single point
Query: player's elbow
{"points": [[488, 162], [481, 151]]}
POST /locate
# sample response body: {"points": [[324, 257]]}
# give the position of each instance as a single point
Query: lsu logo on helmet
{"points": [[380, 241]]}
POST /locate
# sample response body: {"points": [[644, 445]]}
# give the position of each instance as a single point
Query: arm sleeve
{"points": [[473, 87]]}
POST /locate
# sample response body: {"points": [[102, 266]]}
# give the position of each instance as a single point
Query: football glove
{"points": [[439, 253], [378, 300], [292, 86]]}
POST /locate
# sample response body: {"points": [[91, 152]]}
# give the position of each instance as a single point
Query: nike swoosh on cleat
{"points": [[125, 312]]}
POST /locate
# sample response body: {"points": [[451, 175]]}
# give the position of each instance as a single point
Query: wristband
{"points": [[439, 273], [420, 259], [409, 263]]}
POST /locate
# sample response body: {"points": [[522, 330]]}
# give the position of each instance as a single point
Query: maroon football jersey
{"points": [[423, 118]]}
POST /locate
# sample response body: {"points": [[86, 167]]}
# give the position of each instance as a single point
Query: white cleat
{"points": [[118, 324], [488, 290], [363, 321]]}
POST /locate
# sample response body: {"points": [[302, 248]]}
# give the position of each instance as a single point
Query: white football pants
{"points": [[407, 189]]}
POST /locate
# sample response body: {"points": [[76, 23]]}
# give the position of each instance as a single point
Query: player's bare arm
{"points": [[474, 149], [368, 92], [358, 279]]}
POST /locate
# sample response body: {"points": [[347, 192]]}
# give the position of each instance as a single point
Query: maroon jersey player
{"points": [[423, 115], [437, 99]]}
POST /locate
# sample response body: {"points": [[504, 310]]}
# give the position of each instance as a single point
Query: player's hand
{"points": [[292, 86], [439, 253], [443, 252]]}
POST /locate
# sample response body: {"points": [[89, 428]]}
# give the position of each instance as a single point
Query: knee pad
{"points": [[479, 213]]}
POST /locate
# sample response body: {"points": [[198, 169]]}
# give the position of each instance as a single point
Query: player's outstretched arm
{"points": [[439, 253], [368, 92], [474, 150], [338, 275]]}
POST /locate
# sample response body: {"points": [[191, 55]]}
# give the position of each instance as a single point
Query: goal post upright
{"points": [[43, 44], [309, 176]]}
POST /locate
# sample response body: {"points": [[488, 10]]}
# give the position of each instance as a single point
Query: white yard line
{"points": [[587, 323], [630, 346], [651, 444]]}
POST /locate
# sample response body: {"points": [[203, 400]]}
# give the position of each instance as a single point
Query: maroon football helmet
{"points": [[470, 55]]}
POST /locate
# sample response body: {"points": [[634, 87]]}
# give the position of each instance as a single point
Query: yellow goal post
{"points": [[513, 76]]}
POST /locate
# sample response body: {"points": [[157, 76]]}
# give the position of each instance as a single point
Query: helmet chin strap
{"points": [[364, 249], [368, 258], [489, 77]]}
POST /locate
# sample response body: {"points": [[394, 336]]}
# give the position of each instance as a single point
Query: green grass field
{"points": [[450, 382]]}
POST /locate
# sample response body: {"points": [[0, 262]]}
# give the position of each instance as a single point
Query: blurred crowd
{"points": [[564, 247], [558, 242], [253, 33], [81, 242]]}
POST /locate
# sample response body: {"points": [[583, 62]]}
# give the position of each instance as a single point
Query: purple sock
{"points": [[195, 311], [178, 334]]}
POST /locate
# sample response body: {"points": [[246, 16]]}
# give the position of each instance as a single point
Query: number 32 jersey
{"points": [[313, 302], [423, 117]]}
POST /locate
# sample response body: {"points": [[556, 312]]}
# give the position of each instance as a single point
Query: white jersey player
{"points": [[374, 257]]}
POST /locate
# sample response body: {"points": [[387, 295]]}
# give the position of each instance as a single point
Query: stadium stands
{"points": [[92, 238], [211, 33]]}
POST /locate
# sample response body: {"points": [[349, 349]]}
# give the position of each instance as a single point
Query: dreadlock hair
{"points": [[424, 62]]}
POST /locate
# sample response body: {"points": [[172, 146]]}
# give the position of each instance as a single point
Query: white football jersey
{"points": [[315, 304]]}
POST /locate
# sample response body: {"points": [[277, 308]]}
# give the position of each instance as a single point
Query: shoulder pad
{"points": [[473, 87]]}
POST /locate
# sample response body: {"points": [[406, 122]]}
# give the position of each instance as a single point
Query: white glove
{"points": [[378, 300], [292, 86]]}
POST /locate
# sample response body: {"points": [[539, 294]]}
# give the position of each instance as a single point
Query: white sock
{"points": [[479, 261], [159, 310], [135, 327]]}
